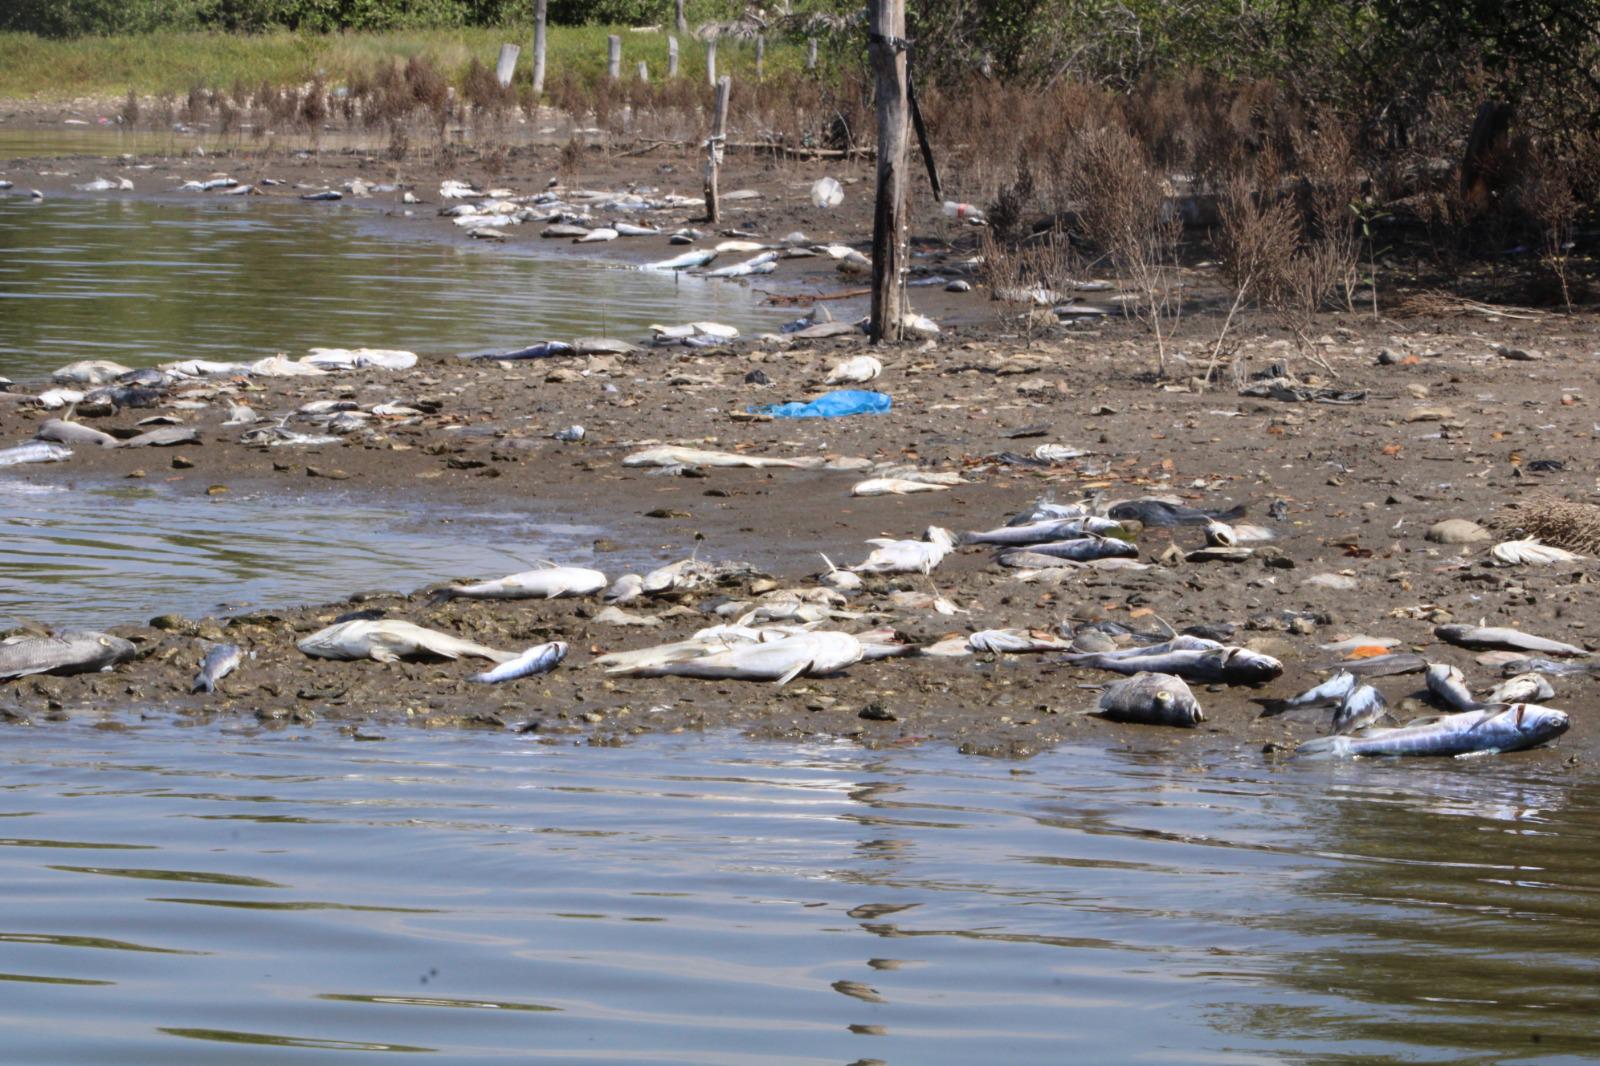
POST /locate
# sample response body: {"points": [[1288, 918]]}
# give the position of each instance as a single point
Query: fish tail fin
{"points": [[1323, 748], [1272, 708], [1236, 511]]}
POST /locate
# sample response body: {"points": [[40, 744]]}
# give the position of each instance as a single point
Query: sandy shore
{"points": [[1446, 431]]}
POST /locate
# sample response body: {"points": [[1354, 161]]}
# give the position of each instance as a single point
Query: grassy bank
{"points": [[34, 68]]}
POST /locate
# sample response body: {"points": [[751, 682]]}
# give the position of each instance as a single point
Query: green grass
{"points": [[34, 68]]}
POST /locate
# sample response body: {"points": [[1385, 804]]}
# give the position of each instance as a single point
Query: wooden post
{"points": [[538, 45], [614, 56], [672, 57], [680, 22], [714, 143], [761, 56], [711, 62], [811, 54], [888, 29], [507, 64], [644, 71]]}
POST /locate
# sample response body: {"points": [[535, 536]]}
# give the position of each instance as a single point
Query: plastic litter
{"points": [[835, 404], [827, 193]]}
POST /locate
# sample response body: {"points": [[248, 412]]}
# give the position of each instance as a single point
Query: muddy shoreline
{"points": [[1447, 428]]}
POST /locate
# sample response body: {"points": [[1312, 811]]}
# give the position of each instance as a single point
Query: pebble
{"points": [[1456, 531]]}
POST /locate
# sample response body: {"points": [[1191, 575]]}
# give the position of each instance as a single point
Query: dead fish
{"points": [[165, 437], [1524, 688], [1084, 549], [1151, 699], [1330, 692], [1503, 637], [65, 653], [1381, 665], [1155, 512], [1363, 706], [1549, 666], [1229, 665], [539, 659], [34, 451], [669, 455], [218, 663], [1449, 686], [1494, 729], [387, 640], [64, 432], [1045, 531], [544, 583]]}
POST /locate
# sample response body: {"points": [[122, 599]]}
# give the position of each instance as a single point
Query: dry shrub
{"points": [[1555, 521], [314, 106], [194, 105], [1126, 208], [1549, 197], [571, 160], [129, 114], [1046, 262]]}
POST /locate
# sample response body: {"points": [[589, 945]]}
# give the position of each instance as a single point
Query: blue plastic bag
{"points": [[830, 405]]}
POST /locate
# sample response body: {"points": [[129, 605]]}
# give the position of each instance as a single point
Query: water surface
{"points": [[194, 895], [90, 556], [147, 281]]}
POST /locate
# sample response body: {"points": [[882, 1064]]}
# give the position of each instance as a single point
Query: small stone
{"points": [[1456, 531], [1388, 357], [136, 473], [216, 490], [182, 462], [877, 712]]}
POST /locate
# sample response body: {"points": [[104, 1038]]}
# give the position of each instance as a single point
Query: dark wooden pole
{"points": [[714, 143], [887, 22]]}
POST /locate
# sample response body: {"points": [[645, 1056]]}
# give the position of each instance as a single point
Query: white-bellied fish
{"points": [[1330, 693], [779, 661], [544, 583], [34, 451], [386, 640], [1449, 686], [539, 659], [1229, 665], [686, 261], [1362, 706], [1523, 688]]}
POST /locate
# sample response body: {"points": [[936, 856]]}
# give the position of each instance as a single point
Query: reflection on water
{"points": [[145, 282], [76, 557], [697, 900]]}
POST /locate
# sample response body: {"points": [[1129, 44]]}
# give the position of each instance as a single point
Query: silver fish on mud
{"points": [[1503, 637], [539, 659], [1523, 688], [1363, 706], [219, 662], [1549, 666], [1045, 531], [386, 640], [1085, 549], [35, 451], [65, 653], [1381, 665], [1491, 730], [1330, 693], [1449, 687], [1229, 665], [1158, 513], [1151, 699]]}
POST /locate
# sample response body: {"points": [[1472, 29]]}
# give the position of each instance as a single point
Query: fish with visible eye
{"points": [[1491, 730], [1151, 699], [66, 653]]}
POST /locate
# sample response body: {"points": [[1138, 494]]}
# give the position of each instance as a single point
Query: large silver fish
{"points": [[61, 431], [387, 640], [1045, 531], [686, 261], [65, 653], [1085, 549], [1523, 688], [220, 661], [1503, 637], [539, 659], [35, 451], [1229, 665], [779, 661], [1151, 699], [1493, 729], [545, 583]]}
